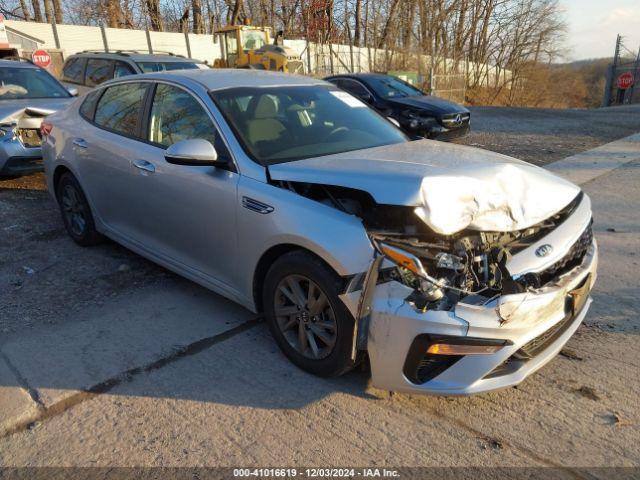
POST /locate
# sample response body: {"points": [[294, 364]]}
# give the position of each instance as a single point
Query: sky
{"points": [[594, 24]]}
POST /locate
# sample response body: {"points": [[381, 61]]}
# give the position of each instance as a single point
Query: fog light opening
{"points": [[452, 349]]}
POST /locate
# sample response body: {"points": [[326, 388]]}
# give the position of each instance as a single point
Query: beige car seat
{"points": [[264, 126]]}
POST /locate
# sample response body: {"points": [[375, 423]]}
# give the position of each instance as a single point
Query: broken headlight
{"points": [[6, 131], [441, 278]]}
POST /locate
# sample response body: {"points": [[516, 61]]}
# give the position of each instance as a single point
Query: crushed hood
{"points": [[453, 187]]}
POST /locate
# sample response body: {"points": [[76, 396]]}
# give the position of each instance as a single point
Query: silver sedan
{"points": [[451, 270]]}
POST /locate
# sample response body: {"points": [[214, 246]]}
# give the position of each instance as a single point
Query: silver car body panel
{"points": [[226, 221]]}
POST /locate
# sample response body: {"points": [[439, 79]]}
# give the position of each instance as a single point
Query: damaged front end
{"points": [[21, 141], [469, 311]]}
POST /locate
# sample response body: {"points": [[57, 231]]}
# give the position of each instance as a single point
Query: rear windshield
{"points": [[281, 124], [21, 83], [148, 67]]}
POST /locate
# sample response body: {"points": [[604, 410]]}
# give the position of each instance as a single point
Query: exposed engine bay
{"points": [[25, 125], [442, 269]]}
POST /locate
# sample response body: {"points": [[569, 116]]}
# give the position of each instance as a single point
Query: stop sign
{"points": [[625, 80], [41, 58]]}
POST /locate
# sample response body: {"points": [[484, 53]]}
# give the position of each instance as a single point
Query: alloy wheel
{"points": [[73, 209], [305, 317]]}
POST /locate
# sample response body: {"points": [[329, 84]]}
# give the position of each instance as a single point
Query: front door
{"points": [[189, 212]]}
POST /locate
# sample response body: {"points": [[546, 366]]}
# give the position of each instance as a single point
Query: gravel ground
{"points": [[544, 135]]}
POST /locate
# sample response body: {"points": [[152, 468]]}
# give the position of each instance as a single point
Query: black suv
{"points": [[417, 113], [87, 69]]}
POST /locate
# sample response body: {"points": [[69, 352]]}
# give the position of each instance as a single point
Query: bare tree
{"points": [[155, 18], [37, 12], [57, 11], [48, 10], [198, 22]]}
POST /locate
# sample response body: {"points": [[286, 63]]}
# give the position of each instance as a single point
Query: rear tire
{"points": [[310, 324], [76, 212]]}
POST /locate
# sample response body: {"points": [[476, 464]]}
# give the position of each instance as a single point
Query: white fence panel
{"points": [[203, 48], [121, 39], [76, 38], [169, 42]]}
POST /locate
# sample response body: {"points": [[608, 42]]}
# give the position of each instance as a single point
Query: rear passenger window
{"points": [[119, 108], [98, 71], [88, 107], [73, 70], [122, 70]]}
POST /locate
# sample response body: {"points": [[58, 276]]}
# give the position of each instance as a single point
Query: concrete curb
{"points": [[586, 166]]}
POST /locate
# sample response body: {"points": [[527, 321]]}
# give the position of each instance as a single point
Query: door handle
{"points": [[144, 165], [80, 142]]}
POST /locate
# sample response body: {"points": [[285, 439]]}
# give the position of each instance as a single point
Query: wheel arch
{"points": [[268, 258], [57, 174]]}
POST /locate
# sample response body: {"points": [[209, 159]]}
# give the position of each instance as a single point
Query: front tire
{"points": [[310, 324], [76, 212]]}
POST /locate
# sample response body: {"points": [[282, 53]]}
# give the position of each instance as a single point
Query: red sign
{"points": [[41, 58], [625, 80]]}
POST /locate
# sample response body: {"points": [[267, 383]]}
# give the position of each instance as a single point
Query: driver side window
{"points": [[176, 115]]}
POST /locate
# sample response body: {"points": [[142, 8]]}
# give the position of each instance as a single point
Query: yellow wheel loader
{"points": [[246, 46]]}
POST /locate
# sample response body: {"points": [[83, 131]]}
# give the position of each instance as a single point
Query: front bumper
{"points": [[395, 324], [17, 159], [444, 134], [16, 166], [533, 325]]}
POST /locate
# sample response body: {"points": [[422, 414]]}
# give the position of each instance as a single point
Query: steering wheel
{"points": [[338, 130]]}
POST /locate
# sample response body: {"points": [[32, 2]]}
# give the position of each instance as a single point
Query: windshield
{"points": [[148, 67], [253, 39], [391, 87], [281, 124], [20, 83]]}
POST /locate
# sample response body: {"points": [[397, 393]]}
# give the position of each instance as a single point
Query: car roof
{"points": [[17, 64], [222, 78], [138, 57]]}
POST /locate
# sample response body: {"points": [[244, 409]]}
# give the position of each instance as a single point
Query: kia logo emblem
{"points": [[544, 250]]}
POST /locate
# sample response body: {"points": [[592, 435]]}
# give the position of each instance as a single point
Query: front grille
{"points": [[572, 259], [455, 120], [16, 165], [541, 342]]}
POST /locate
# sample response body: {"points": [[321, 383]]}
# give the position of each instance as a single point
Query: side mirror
{"points": [[195, 152], [366, 98], [73, 91]]}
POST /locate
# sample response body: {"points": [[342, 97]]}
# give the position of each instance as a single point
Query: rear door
{"points": [[105, 146], [98, 70]]}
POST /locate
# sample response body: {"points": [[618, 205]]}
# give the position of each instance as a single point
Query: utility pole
{"points": [[611, 71]]}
